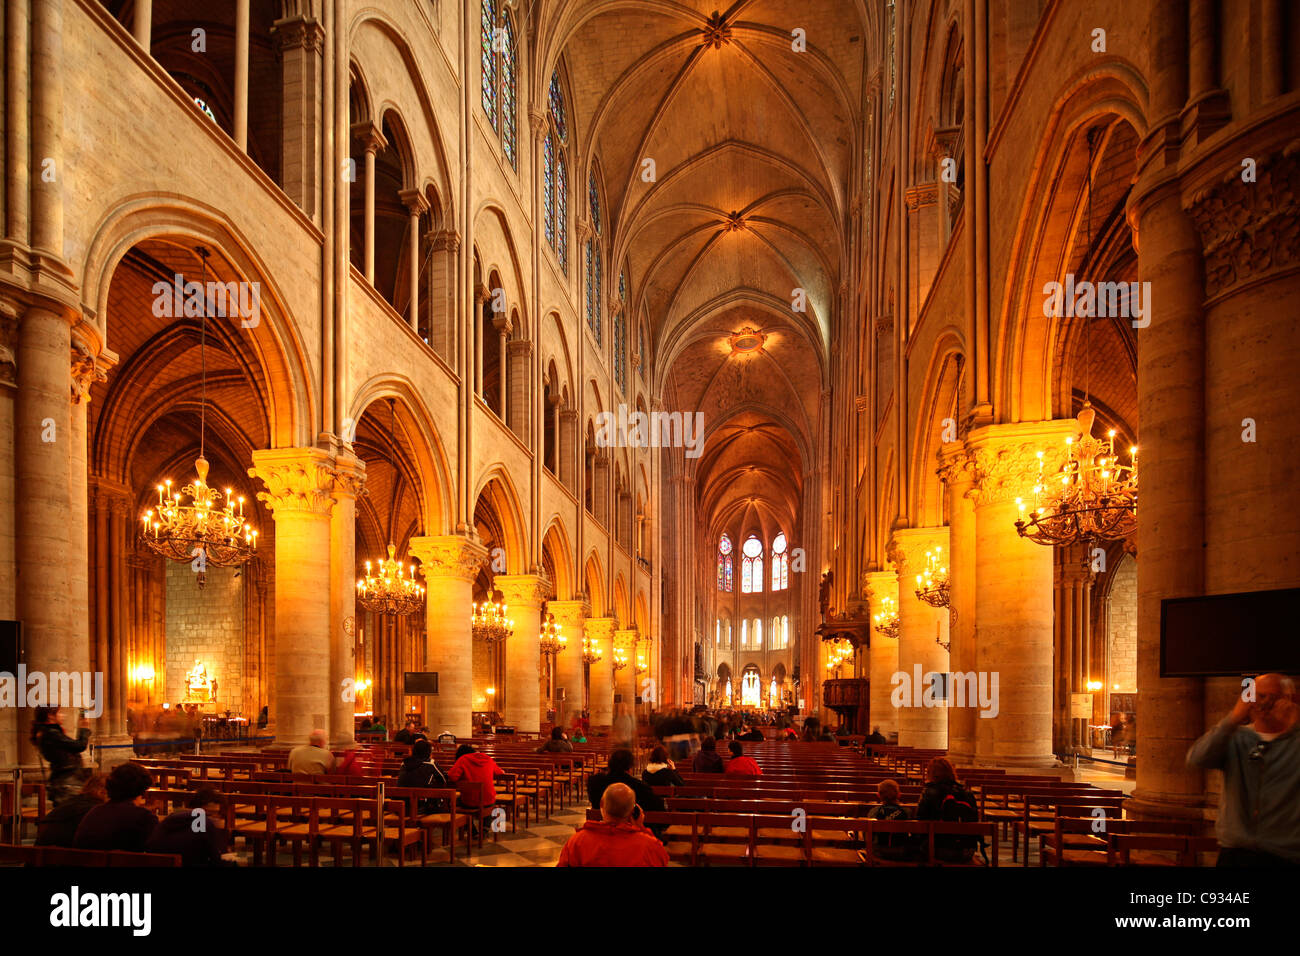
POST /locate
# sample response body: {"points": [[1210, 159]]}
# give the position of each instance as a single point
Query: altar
{"points": [[200, 686]]}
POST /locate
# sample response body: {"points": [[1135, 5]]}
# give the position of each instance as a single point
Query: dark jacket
{"points": [[60, 751], [645, 797], [663, 777], [176, 835], [419, 773], [59, 828], [115, 826], [405, 736], [932, 797], [754, 735], [875, 738], [553, 746], [707, 761]]}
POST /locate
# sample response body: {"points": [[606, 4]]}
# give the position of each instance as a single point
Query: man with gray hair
{"points": [[618, 839], [313, 756], [1259, 809]]}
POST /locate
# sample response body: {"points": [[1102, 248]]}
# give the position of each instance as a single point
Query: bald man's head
{"points": [[1274, 709], [617, 803], [317, 738]]}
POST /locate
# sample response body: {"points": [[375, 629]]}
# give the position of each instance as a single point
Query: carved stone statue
{"points": [[824, 592]]}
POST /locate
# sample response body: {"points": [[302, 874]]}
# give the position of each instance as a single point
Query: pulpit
{"points": [[850, 698]]}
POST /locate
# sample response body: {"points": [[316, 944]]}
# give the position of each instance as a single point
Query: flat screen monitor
{"points": [[1227, 635], [10, 646], [420, 683]]}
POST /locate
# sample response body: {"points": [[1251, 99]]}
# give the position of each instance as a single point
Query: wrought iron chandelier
{"points": [[491, 625], [620, 658], [200, 532], [392, 588], [1093, 497], [551, 641], [886, 619], [932, 583], [590, 652]]}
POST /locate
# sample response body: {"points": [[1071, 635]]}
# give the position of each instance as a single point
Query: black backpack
{"points": [[959, 806]]}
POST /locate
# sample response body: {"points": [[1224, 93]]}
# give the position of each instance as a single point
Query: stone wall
{"points": [[205, 624], [1121, 637]]}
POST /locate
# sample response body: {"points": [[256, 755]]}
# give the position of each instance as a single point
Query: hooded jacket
{"points": [[661, 775], [60, 751], [613, 844], [175, 834], [744, 766], [707, 761], [1258, 809], [477, 768]]}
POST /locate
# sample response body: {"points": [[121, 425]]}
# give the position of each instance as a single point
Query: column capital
{"points": [[299, 33], [956, 467], [298, 480], [370, 136], [880, 584], [907, 546], [414, 200], [446, 240], [522, 348], [600, 628], [87, 369], [569, 614], [921, 195], [523, 590], [626, 637], [349, 476], [1006, 457], [448, 556]]}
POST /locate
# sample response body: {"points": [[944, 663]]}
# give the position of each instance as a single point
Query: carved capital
{"points": [[448, 556], [570, 615], [414, 201], [86, 371], [1006, 458], [349, 476], [600, 629], [297, 480], [446, 240], [626, 638], [922, 194], [519, 348], [885, 324], [299, 33], [523, 590], [907, 547], [1249, 230], [370, 136], [8, 346], [956, 467]]}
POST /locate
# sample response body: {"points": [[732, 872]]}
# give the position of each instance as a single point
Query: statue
{"points": [[824, 592], [198, 685]]}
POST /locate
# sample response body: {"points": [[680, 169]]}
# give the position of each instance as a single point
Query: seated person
{"points": [[890, 846], [558, 744], [945, 799], [420, 770], [409, 734], [754, 735], [618, 839], [660, 771], [198, 835], [740, 765], [875, 737], [707, 760], [619, 771], [312, 757], [59, 828], [122, 823], [472, 767]]}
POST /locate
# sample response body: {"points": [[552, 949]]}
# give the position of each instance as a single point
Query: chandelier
{"points": [[886, 620], [1092, 498], [932, 583], [640, 666], [620, 658], [839, 653], [392, 590], [590, 652], [490, 623], [201, 532], [551, 641]]}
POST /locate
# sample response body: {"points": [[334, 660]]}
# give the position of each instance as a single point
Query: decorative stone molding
{"points": [[299, 33], [86, 371], [717, 32], [448, 556], [519, 348], [627, 638], [8, 342], [1249, 230], [600, 629], [956, 466], [349, 476], [297, 480], [921, 195], [370, 136], [446, 240], [1006, 458], [415, 202], [907, 547], [885, 324], [570, 615], [523, 590]]}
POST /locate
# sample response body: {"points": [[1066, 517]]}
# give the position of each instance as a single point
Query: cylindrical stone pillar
{"points": [[524, 596], [921, 627], [350, 476], [882, 655], [449, 564], [957, 471], [571, 616], [600, 631]]}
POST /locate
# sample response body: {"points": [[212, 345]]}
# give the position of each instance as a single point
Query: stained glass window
{"points": [[751, 571], [489, 59], [555, 175], [640, 350], [548, 187], [509, 62], [780, 563], [557, 108], [594, 257], [500, 61], [562, 211], [593, 192], [620, 352], [724, 564]]}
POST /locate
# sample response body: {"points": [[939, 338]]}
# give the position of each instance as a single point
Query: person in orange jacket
{"points": [[618, 839], [474, 767], [740, 765]]}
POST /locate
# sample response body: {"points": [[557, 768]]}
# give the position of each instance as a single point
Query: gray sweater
{"points": [[1260, 806]]}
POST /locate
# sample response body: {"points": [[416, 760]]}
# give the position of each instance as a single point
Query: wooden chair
{"points": [[449, 821], [1144, 849]]}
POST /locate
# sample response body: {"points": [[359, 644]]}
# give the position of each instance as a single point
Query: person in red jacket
{"points": [[740, 765], [475, 767], [618, 839]]}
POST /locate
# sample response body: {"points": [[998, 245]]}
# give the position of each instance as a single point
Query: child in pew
{"points": [[891, 846]]}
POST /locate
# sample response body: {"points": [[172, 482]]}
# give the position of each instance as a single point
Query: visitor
{"points": [[263, 717], [579, 736], [349, 763], [753, 735], [379, 729], [875, 737], [619, 771], [946, 800], [618, 839], [198, 835], [61, 752], [660, 771], [408, 734], [312, 757], [59, 828], [472, 767], [420, 770], [122, 823], [740, 765], [1119, 736], [558, 744], [708, 759], [890, 846], [1259, 814], [623, 733]]}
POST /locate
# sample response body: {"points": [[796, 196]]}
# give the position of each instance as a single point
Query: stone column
{"points": [[1013, 601], [300, 41], [566, 451], [449, 564], [142, 26], [299, 484], [571, 616], [957, 471], [625, 679], [416, 206], [600, 630], [514, 411], [882, 654], [241, 74], [524, 595], [349, 481], [373, 141], [920, 626]]}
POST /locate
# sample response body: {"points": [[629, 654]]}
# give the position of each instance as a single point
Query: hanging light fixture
{"points": [[550, 641], [391, 587], [932, 583], [1093, 497], [886, 619], [201, 532], [620, 659], [490, 623], [590, 652]]}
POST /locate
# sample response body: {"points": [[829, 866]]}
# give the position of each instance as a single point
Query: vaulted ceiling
{"points": [[727, 145]]}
